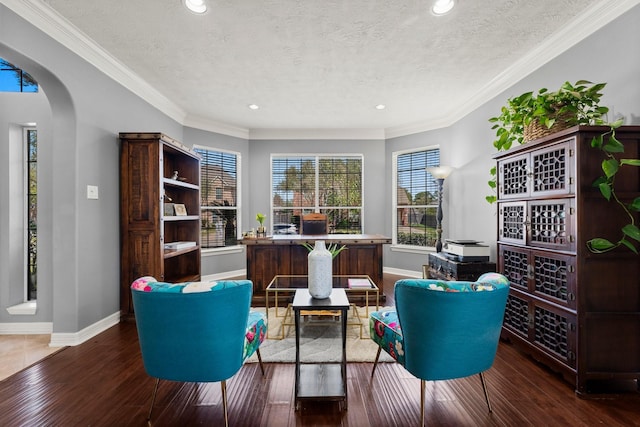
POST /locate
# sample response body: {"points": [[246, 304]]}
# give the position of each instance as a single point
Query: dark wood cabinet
{"points": [[442, 268], [285, 255], [157, 173], [576, 311]]}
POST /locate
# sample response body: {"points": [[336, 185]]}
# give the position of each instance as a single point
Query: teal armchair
{"points": [[443, 330], [196, 332]]}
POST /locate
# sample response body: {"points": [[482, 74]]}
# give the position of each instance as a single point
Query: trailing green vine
{"points": [[611, 165]]}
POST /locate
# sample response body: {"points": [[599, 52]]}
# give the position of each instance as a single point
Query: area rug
{"points": [[319, 341]]}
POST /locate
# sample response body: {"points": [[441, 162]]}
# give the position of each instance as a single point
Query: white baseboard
{"points": [[26, 328], [60, 339], [225, 275], [400, 272]]}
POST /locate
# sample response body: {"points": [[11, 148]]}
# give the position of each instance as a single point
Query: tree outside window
{"points": [[416, 200], [219, 198], [13, 79], [330, 184]]}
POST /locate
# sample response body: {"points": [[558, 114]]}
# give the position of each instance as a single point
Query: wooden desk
{"points": [[285, 255]]}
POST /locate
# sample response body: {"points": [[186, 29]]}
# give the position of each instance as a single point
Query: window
{"points": [[219, 183], [31, 191], [329, 184], [416, 198], [13, 79]]}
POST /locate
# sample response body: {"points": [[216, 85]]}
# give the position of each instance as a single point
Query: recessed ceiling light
{"points": [[196, 6], [254, 106], [441, 7], [380, 107]]}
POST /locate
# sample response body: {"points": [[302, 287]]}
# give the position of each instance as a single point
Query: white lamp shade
{"points": [[440, 172]]}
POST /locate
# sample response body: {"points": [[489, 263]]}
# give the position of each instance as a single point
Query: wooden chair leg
{"points": [[223, 385], [153, 398], [375, 362], [260, 361], [486, 392], [422, 397]]}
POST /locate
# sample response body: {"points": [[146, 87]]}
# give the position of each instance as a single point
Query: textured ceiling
{"points": [[320, 64]]}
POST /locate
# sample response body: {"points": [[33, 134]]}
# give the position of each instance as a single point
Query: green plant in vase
{"points": [[333, 248], [260, 218]]}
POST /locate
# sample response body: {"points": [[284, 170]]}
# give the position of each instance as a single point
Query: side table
{"points": [[321, 381], [442, 268]]}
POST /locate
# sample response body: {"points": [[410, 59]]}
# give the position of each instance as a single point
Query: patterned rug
{"points": [[319, 339]]}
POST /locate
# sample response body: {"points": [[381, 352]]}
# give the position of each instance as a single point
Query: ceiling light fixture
{"points": [[254, 106], [442, 7], [196, 6], [380, 107]]}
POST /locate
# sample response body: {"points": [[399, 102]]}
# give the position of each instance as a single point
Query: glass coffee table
{"points": [[282, 288]]}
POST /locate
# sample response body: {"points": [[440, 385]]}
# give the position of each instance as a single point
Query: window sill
{"points": [[222, 251], [26, 308], [413, 249]]}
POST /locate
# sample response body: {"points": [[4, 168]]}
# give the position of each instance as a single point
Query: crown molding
{"points": [[571, 34], [423, 126], [47, 20], [203, 123], [51, 23], [324, 134]]}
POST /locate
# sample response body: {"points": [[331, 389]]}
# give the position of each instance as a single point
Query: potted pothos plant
{"points": [[530, 116]]}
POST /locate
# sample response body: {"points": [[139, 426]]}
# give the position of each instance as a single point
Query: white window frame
{"points": [[394, 213], [237, 247], [316, 204]]}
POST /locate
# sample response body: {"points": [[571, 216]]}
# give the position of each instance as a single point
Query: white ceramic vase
{"points": [[320, 271]]}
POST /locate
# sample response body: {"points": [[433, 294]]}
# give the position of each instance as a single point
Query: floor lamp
{"points": [[439, 173]]}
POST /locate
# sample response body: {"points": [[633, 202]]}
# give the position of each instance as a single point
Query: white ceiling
{"points": [[318, 64]]}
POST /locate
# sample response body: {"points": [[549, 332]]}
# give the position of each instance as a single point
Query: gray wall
{"points": [[610, 55], [80, 237]]}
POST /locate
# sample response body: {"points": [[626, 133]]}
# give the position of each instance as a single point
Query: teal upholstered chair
{"points": [[443, 330], [196, 332]]}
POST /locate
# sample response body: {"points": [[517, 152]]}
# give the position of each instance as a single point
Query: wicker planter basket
{"points": [[535, 129]]}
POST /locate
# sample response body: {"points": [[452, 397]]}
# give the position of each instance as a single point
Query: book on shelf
{"points": [[176, 246], [359, 283]]}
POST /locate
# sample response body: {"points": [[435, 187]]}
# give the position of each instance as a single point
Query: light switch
{"points": [[92, 191]]}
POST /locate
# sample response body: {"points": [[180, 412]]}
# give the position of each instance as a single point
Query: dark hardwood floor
{"points": [[102, 383]]}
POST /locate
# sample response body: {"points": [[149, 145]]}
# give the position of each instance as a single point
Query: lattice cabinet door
{"points": [[541, 223], [555, 331], [549, 171], [514, 177], [552, 170], [554, 277], [543, 325], [548, 275], [512, 222], [550, 224]]}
